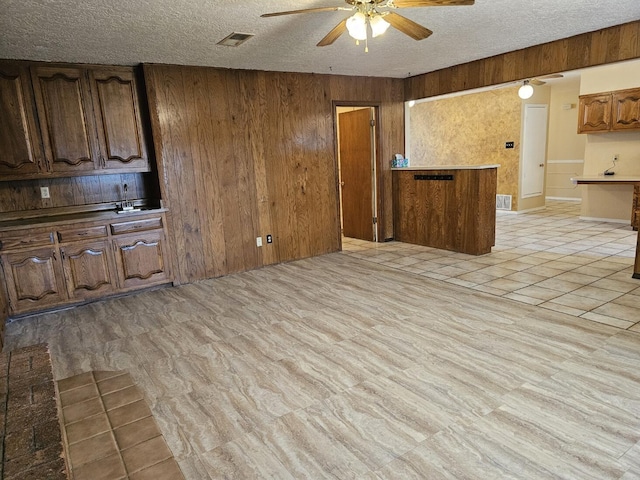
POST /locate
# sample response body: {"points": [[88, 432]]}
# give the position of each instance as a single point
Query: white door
{"points": [[534, 148]]}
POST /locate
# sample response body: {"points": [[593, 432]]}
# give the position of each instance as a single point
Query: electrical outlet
{"points": [[269, 239], [259, 241], [44, 192]]}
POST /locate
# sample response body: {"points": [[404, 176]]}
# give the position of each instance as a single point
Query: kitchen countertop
{"points": [[46, 221], [603, 179], [448, 167]]}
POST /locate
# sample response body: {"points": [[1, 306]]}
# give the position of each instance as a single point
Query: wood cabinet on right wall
{"points": [[609, 112]]}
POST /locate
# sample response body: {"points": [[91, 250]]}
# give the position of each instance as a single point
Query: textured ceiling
{"points": [[185, 32]]}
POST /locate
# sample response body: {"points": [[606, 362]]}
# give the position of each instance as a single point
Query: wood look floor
{"points": [[335, 367]]}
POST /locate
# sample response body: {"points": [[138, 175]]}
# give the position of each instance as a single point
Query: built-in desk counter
{"points": [[607, 180], [452, 207], [635, 209]]}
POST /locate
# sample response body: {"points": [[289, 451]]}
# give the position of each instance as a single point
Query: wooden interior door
{"points": [[356, 172]]}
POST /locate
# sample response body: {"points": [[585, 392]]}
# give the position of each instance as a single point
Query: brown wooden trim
{"points": [[609, 45]]}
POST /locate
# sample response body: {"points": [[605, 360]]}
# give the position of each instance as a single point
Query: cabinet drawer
{"points": [[25, 239], [136, 225], [82, 233]]}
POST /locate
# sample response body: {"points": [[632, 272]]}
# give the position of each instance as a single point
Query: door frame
{"points": [[377, 180]]}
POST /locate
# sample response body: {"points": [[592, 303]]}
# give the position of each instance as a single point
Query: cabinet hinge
{"points": [[372, 123], [375, 220]]}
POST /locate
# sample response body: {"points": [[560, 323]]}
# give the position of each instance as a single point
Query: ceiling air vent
{"points": [[235, 39]]}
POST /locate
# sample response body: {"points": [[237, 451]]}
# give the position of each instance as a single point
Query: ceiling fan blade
{"points": [[333, 35], [537, 82], [305, 10], [430, 3], [408, 27], [553, 75]]}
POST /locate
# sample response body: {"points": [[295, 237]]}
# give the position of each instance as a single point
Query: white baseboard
{"points": [[528, 210], [609, 220], [518, 212], [565, 199]]}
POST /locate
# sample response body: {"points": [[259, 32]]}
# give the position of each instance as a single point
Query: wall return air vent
{"points": [[235, 39], [503, 202]]}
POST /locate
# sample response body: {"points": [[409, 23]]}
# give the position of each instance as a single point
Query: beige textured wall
{"points": [[565, 153], [611, 202], [564, 141], [470, 130]]}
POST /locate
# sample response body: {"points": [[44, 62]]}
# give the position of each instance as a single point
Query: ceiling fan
{"points": [[526, 90], [378, 15], [541, 80]]}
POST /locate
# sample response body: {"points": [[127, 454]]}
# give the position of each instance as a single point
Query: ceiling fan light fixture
{"points": [[525, 91], [357, 26], [378, 25]]}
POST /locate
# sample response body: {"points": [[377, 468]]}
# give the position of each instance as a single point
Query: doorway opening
{"points": [[357, 143]]}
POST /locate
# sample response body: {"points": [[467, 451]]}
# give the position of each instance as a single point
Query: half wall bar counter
{"points": [[450, 207]]}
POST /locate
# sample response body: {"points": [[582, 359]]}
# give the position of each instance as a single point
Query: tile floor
{"points": [[547, 258], [335, 367], [110, 432]]}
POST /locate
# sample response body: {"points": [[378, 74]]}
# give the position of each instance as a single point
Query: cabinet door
{"points": [[88, 269], [626, 109], [120, 131], [595, 113], [20, 147], [66, 119], [141, 259], [34, 280]]}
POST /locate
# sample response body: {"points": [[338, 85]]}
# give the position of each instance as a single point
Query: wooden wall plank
{"points": [[630, 40], [254, 154], [24, 195], [609, 45]]}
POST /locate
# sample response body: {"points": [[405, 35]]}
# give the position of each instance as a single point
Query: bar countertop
{"points": [[448, 167]]}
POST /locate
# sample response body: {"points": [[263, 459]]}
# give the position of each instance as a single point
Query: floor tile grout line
{"points": [[602, 229]]}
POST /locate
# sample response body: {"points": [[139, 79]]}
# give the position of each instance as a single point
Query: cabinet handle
{"points": [[53, 254], [59, 237], [62, 254]]}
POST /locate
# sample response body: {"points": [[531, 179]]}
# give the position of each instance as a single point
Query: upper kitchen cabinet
{"points": [[610, 112], [70, 120], [626, 109], [20, 147], [595, 113], [121, 136], [66, 118]]}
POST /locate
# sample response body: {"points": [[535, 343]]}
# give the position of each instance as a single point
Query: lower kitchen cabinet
{"points": [[88, 270], [140, 260], [33, 279], [64, 263]]}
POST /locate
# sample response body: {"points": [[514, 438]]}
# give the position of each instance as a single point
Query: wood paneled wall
{"points": [[609, 45], [24, 195], [243, 154]]}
